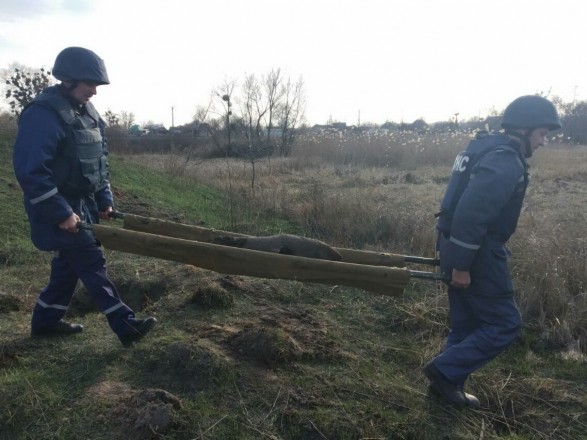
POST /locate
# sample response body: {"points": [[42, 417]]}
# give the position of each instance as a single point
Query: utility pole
{"points": [[226, 98], [172, 124]]}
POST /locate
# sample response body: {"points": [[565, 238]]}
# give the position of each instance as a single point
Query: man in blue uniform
{"points": [[60, 161], [478, 215]]}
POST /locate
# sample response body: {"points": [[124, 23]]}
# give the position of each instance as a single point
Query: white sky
{"points": [[387, 59]]}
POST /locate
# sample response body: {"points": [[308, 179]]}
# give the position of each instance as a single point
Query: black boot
{"points": [[62, 328], [138, 329], [444, 388], [470, 400]]}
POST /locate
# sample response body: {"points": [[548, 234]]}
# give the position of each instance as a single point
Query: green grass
{"points": [[161, 193], [280, 360], [146, 192], [14, 230]]}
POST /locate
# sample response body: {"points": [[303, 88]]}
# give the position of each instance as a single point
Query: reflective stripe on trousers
{"points": [[87, 264]]}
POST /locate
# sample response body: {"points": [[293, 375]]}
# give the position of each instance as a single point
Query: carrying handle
{"points": [[83, 225], [430, 276], [422, 260], [116, 214], [111, 214]]}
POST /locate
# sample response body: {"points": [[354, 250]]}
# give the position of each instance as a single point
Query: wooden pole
{"points": [[229, 260], [206, 235]]}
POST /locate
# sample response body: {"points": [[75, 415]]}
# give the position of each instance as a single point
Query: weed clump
{"points": [[268, 346], [212, 296], [187, 367]]}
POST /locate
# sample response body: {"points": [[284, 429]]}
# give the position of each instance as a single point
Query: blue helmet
{"points": [[79, 64], [531, 111]]}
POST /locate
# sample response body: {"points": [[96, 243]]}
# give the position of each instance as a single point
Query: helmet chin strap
{"points": [[524, 139], [68, 86]]}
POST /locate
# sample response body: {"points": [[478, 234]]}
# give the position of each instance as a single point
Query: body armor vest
{"points": [[81, 166], [461, 174]]}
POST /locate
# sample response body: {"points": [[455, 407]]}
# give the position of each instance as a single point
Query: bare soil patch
{"points": [[145, 414]]}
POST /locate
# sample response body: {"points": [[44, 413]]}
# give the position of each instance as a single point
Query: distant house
{"points": [[156, 129], [137, 130], [200, 129], [274, 133], [335, 126], [388, 125], [419, 125]]}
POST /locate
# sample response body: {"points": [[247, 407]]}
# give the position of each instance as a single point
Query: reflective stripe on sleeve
{"points": [[44, 196], [473, 247], [51, 306]]}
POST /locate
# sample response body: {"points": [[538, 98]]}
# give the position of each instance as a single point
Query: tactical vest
{"points": [[463, 166], [81, 166]]}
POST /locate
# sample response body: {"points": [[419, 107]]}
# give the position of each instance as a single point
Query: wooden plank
{"points": [[228, 260], [188, 232]]}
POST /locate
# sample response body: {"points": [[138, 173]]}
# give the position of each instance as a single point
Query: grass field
{"points": [[247, 358]]}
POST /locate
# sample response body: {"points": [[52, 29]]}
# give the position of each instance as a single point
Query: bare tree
{"points": [[224, 93], [291, 112], [127, 119], [200, 118], [273, 93], [574, 118], [112, 119], [200, 123], [274, 101], [253, 109], [249, 104]]}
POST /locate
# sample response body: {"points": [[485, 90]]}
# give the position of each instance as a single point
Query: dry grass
{"points": [[349, 192], [251, 358], [399, 149]]}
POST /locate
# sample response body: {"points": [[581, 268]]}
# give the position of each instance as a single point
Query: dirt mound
{"points": [[187, 367], [137, 294], [12, 351], [284, 335], [270, 346], [9, 302], [145, 414], [212, 295], [221, 291]]}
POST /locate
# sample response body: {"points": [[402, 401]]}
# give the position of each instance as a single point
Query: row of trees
{"points": [[257, 116], [261, 114]]}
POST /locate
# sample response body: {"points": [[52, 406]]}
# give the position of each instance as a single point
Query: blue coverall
{"points": [[484, 319], [42, 136]]}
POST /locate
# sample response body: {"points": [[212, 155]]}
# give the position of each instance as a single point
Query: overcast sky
{"points": [[379, 60]]}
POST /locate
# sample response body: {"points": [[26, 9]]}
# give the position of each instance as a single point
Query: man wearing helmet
{"points": [[60, 161], [479, 213]]}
